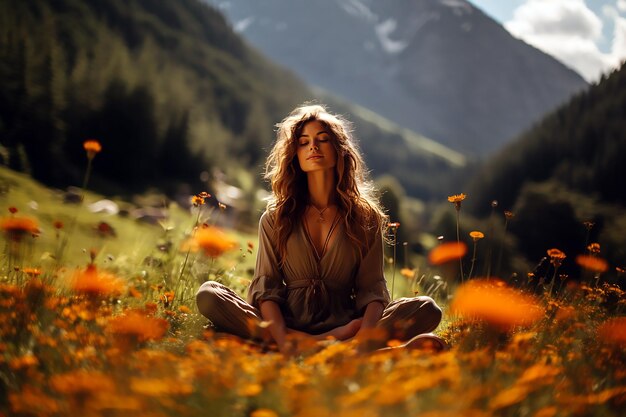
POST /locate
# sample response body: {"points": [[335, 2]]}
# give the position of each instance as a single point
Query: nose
{"points": [[314, 146]]}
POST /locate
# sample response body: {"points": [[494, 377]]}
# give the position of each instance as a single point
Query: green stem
{"points": [[72, 225], [393, 273], [489, 241], [499, 264], [458, 241], [473, 261], [552, 283], [195, 226]]}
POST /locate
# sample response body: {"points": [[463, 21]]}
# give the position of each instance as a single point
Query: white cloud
{"points": [[621, 5], [569, 31]]}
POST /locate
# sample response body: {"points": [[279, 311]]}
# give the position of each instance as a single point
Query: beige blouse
{"points": [[316, 296]]}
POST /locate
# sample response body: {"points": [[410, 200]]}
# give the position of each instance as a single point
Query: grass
{"points": [[131, 340]]}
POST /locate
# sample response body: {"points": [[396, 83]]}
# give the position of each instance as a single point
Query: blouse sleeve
{"points": [[267, 283], [370, 283]]}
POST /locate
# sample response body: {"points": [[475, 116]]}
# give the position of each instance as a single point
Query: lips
{"points": [[316, 156]]}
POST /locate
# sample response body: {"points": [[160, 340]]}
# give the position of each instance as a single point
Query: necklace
{"points": [[321, 218]]}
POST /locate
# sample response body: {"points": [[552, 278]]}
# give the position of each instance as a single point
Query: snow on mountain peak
{"points": [[459, 7], [383, 30], [357, 9], [242, 25]]}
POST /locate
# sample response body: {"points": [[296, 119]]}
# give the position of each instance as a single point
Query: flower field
{"points": [[101, 323]]}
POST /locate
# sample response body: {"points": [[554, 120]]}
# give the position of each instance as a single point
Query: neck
{"points": [[321, 188]]}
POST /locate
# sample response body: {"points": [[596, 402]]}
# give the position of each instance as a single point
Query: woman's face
{"points": [[315, 148]]}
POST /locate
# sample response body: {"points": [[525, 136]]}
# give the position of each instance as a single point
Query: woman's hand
{"points": [[270, 311]]}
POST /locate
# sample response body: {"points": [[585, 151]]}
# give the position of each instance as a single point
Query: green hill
{"points": [[166, 86], [568, 169], [170, 91]]}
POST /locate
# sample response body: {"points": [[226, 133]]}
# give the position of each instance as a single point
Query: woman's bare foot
{"points": [[346, 331], [426, 341]]}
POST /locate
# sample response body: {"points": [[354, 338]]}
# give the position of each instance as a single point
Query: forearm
{"points": [[270, 311], [373, 313]]}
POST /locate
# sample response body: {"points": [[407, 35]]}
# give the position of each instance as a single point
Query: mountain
{"points": [[167, 88], [568, 169], [438, 67], [170, 91]]}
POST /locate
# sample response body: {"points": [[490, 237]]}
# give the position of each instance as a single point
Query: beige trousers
{"points": [[402, 319]]}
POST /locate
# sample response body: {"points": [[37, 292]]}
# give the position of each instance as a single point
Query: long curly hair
{"points": [[363, 215]]}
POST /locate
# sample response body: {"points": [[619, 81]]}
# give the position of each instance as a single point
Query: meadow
{"points": [[97, 318]]}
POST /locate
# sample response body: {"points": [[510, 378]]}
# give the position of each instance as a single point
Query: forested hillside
{"points": [[568, 169], [166, 86], [170, 91]]}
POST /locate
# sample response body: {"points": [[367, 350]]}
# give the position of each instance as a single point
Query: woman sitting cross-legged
{"points": [[319, 268]]}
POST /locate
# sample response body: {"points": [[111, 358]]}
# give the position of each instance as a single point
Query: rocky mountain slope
{"points": [[439, 67]]}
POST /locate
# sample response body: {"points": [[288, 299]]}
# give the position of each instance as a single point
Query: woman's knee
{"points": [[429, 309], [208, 296]]}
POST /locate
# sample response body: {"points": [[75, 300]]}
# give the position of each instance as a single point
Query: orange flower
{"points": [[592, 263], [94, 283], [17, 227], [213, 241], [197, 201], [167, 297], [29, 400], [456, 200], [22, 362], [447, 252], [556, 256], [82, 383], [407, 273], [32, 272], [136, 325], [263, 412], [594, 247], [613, 331], [92, 147], [159, 387], [476, 235], [492, 301]]}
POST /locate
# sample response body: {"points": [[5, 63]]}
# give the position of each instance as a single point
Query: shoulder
{"points": [[267, 220]]}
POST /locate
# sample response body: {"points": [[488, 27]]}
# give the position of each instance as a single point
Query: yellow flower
{"points": [[476, 235], [447, 252], [92, 147]]}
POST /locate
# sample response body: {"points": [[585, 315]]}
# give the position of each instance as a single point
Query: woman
{"points": [[319, 269]]}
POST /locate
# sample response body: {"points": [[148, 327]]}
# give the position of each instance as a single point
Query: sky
{"points": [[586, 35]]}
